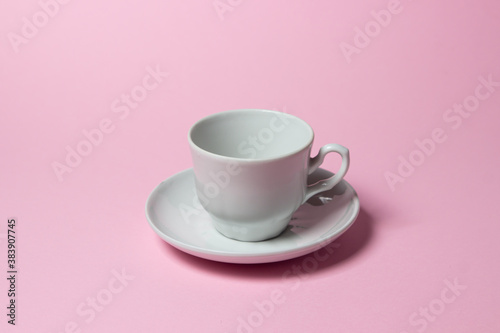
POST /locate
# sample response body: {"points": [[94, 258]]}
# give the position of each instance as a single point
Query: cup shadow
{"points": [[345, 248]]}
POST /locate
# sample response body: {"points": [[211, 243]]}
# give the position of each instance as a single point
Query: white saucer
{"points": [[175, 214]]}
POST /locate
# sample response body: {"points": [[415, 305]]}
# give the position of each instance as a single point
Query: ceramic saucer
{"points": [[175, 214]]}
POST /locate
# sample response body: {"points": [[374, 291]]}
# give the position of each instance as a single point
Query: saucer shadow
{"points": [[345, 248]]}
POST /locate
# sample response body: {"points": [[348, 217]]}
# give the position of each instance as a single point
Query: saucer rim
{"points": [[259, 258]]}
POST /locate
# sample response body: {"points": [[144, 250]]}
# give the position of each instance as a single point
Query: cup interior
{"points": [[251, 134]]}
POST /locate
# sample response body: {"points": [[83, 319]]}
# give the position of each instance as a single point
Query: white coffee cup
{"points": [[251, 169]]}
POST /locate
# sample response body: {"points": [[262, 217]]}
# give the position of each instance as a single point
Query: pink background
{"points": [[412, 240]]}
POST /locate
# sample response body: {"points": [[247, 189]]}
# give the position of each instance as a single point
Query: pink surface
{"points": [[423, 254]]}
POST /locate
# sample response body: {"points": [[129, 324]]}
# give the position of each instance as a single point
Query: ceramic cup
{"points": [[251, 169]]}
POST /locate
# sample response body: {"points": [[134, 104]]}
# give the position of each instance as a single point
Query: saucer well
{"points": [[175, 214]]}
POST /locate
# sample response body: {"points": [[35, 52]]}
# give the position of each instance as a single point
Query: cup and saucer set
{"points": [[254, 194]]}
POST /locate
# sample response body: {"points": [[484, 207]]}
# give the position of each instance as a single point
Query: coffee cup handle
{"points": [[316, 161]]}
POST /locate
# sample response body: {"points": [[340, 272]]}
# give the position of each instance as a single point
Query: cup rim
{"points": [[250, 160]]}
